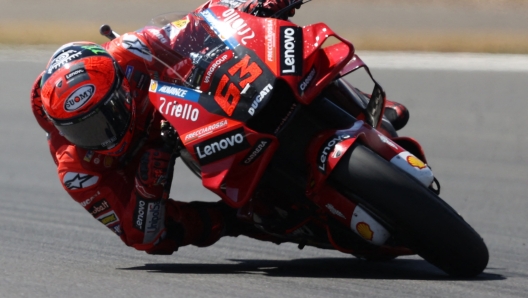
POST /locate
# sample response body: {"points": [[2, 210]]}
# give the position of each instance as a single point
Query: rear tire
{"points": [[416, 216]]}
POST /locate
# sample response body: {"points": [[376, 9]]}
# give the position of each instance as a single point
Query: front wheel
{"points": [[416, 216]]}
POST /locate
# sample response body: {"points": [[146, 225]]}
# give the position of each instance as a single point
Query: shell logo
{"points": [[153, 86], [181, 23], [364, 230], [415, 162]]}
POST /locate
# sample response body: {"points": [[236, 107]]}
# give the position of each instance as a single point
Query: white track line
{"points": [[445, 61]]}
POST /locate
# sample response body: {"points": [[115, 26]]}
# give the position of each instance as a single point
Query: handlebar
{"points": [[297, 4]]}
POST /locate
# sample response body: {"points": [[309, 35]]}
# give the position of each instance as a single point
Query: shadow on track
{"points": [[317, 268]]}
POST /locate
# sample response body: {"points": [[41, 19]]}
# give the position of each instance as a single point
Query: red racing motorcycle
{"points": [[266, 120]]}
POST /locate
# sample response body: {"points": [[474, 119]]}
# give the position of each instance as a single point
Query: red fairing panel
{"points": [[329, 148], [232, 156], [307, 67]]}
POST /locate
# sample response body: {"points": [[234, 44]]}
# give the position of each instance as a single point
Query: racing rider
{"points": [[105, 138]]}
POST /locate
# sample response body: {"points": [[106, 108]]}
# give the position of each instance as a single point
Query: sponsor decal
{"points": [[79, 180], [221, 146], [256, 151], [158, 35], [291, 50], [110, 142], [185, 111], [364, 231], [180, 24], [270, 40], [96, 49], [415, 162], [153, 86], [75, 73], [172, 90], [139, 215], [414, 167], [239, 25], [232, 3], [219, 28], [108, 218], [88, 156], [334, 211], [267, 90], [154, 220], [98, 208], [62, 59], [136, 46], [214, 66], [90, 199], [387, 141], [79, 98], [367, 227], [205, 131], [307, 81], [327, 148], [116, 229], [129, 71]]}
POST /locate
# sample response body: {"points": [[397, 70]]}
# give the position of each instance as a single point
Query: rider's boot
{"points": [[396, 113]]}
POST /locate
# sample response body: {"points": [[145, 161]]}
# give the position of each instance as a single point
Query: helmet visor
{"points": [[103, 127]]}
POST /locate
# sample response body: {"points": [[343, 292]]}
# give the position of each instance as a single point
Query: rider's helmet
{"points": [[85, 95]]}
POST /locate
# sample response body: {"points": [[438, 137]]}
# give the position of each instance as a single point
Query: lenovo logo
{"points": [[327, 148], [221, 147], [291, 50]]}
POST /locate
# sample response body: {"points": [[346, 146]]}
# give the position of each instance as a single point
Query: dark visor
{"points": [[103, 127]]}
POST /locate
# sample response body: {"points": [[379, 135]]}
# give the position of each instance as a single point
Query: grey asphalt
{"points": [[471, 124]]}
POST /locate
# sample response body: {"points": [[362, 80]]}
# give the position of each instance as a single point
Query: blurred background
{"points": [[461, 67], [490, 26]]}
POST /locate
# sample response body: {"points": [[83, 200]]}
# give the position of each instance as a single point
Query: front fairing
{"points": [[208, 88], [219, 70]]}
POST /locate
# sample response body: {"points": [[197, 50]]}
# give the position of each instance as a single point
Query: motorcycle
{"points": [[265, 118]]}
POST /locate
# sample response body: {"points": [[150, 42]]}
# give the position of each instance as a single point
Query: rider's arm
{"points": [[114, 197]]}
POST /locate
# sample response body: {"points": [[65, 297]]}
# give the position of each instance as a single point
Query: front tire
{"points": [[416, 216]]}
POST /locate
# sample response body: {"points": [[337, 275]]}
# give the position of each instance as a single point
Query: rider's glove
{"points": [[152, 173], [269, 7]]}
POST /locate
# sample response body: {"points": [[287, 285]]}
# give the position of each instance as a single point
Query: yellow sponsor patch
{"points": [[153, 86], [364, 230], [180, 24], [415, 162]]}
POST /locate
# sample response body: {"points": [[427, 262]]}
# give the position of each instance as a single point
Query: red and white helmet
{"points": [[87, 98]]}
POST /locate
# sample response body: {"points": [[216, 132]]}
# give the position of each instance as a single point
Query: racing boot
{"points": [[396, 113]]}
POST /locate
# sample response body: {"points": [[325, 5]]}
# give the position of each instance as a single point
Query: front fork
{"points": [[330, 147]]}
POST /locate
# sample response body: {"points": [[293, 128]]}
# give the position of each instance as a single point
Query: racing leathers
{"points": [[126, 193]]}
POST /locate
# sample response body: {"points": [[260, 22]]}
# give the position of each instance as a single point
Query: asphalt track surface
{"points": [[472, 125]]}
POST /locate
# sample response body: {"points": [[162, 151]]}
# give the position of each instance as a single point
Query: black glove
{"points": [[152, 173], [269, 7], [153, 167]]}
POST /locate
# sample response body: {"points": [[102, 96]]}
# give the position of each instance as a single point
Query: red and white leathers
{"points": [[108, 187]]}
